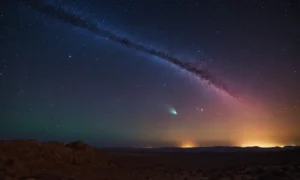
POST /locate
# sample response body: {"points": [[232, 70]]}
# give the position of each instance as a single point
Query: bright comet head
{"points": [[173, 111]]}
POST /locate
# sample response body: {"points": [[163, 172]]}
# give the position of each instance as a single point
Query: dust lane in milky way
{"points": [[69, 17]]}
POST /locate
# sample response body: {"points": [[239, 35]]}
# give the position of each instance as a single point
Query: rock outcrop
{"points": [[30, 159]]}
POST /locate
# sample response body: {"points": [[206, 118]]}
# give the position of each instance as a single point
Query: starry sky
{"points": [[62, 82]]}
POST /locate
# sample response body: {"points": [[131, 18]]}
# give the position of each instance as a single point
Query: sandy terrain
{"points": [[78, 161]]}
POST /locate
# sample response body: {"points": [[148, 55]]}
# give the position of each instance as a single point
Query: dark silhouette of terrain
{"points": [[31, 160]]}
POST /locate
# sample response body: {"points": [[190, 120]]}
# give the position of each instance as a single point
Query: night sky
{"points": [[60, 81]]}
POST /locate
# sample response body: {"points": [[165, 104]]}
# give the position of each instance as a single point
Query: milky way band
{"points": [[68, 17]]}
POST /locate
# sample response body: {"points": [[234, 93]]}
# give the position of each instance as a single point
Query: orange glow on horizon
{"points": [[261, 144], [187, 145]]}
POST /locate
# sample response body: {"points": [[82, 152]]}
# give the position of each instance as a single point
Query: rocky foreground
{"points": [[30, 160]]}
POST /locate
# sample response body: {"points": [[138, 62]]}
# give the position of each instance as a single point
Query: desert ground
{"points": [[31, 160]]}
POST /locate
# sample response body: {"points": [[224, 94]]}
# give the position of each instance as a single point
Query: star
{"points": [[200, 109]]}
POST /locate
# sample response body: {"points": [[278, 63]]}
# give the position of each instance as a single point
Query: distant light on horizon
{"points": [[187, 145], [261, 144]]}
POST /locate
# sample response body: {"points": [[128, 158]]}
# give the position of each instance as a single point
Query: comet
{"points": [[173, 111]]}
